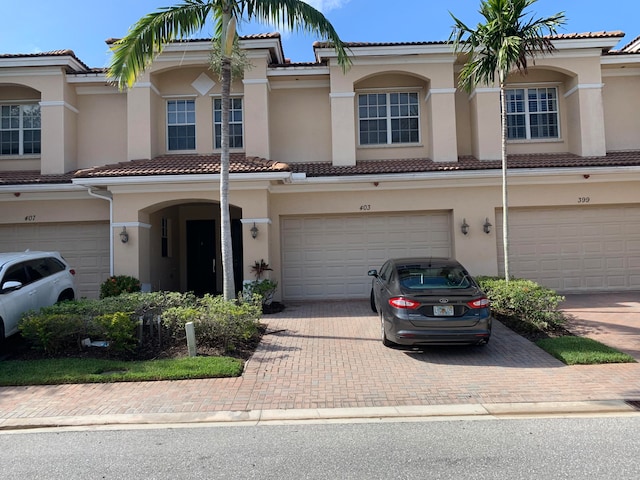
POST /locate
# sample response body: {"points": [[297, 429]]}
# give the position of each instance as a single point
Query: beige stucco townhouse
{"points": [[335, 171]]}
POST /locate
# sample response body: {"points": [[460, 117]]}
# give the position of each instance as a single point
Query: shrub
{"points": [[264, 289], [118, 284], [524, 300], [217, 322], [119, 329], [52, 333]]}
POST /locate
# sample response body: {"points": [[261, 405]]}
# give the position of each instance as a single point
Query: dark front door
{"points": [[201, 256]]}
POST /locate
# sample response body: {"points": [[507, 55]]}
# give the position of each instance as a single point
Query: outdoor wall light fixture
{"points": [[487, 226], [254, 230], [464, 228], [124, 236]]}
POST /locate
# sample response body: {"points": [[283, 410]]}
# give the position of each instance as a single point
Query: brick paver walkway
{"points": [[328, 355]]}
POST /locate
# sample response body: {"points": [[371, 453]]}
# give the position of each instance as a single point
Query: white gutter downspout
{"points": [[109, 198]]}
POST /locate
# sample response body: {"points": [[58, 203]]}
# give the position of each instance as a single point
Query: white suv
{"points": [[29, 281]]}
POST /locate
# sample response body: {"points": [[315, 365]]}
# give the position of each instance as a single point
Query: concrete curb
{"points": [[331, 415]]}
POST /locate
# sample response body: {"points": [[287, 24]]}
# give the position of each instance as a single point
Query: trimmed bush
{"points": [[218, 323], [524, 300], [119, 284]]}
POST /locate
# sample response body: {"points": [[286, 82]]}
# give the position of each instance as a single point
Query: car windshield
{"points": [[418, 277]]}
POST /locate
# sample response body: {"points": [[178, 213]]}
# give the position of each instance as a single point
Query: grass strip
{"points": [[57, 371], [582, 351]]}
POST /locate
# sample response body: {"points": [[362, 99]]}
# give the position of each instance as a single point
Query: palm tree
{"points": [[507, 40], [147, 38]]}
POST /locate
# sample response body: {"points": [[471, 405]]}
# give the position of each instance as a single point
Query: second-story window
{"points": [[235, 122], [181, 125], [388, 118], [20, 129], [532, 113]]}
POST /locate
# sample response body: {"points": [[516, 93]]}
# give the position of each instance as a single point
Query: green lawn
{"points": [[582, 351], [85, 370]]}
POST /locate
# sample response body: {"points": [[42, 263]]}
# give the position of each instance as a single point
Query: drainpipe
{"points": [[109, 197]]}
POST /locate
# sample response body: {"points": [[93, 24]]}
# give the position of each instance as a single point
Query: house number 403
{"points": [[365, 207], [584, 199]]}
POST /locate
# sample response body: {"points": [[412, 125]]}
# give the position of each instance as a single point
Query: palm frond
{"points": [[146, 39], [296, 15]]}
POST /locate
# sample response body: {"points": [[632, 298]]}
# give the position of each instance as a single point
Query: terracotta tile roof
{"points": [[417, 165], [53, 53], [183, 165], [562, 36], [632, 47], [32, 177], [210, 164]]}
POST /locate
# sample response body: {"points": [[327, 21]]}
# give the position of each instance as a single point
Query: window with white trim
{"points": [[388, 118], [235, 122], [20, 129], [181, 125], [532, 113]]}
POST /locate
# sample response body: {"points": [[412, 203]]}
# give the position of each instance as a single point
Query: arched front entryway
{"points": [[184, 251]]}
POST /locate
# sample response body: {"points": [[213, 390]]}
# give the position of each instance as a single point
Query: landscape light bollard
{"points": [[191, 338]]}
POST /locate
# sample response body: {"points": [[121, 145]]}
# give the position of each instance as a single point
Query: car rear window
{"points": [[417, 277]]}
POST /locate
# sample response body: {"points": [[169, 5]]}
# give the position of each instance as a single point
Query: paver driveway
{"points": [[328, 355]]}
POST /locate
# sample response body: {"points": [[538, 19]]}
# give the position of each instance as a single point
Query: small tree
{"points": [[507, 39]]}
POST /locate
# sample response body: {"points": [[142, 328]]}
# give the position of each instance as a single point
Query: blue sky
{"points": [[84, 25]]}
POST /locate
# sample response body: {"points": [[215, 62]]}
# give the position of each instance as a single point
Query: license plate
{"points": [[443, 310]]}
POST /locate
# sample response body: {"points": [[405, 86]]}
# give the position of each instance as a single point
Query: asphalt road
{"points": [[549, 448]]}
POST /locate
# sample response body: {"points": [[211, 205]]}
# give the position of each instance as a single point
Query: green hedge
{"points": [[524, 300], [61, 328]]}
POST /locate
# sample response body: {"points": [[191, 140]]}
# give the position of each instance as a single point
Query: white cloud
{"points": [[327, 5]]}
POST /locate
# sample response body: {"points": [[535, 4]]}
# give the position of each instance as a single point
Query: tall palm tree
{"points": [[506, 41], [147, 38]]}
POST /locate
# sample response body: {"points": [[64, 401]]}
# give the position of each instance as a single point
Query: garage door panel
{"points": [[85, 246], [330, 256], [575, 249]]}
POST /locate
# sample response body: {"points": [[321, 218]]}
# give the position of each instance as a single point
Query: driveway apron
{"points": [[329, 355]]}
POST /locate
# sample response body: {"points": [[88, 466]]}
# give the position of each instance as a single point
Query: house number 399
{"points": [[584, 199]]}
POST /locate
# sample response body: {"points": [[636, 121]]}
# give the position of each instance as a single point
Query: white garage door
{"points": [[328, 257], [575, 249], [85, 246]]}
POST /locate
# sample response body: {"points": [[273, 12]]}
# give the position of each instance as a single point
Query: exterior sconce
{"points": [[487, 226], [124, 236], [464, 228], [254, 231]]}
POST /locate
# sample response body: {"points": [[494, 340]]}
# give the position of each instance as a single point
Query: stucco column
{"points": [[59, 120], [485, 123], [256, 117], [441, 105], [343, 129], [139, 120], [586, 114]]}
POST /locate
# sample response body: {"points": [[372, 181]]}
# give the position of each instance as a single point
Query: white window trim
{"points": [[21, 129], [214, 97], [388, 92], [177, 99], [527, 114]]}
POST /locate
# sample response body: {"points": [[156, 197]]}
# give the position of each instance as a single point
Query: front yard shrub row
{"points": [[121, 321], [525, 300]]}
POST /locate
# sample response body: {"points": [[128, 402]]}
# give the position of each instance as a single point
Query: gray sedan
{"points": [[429, 301]]}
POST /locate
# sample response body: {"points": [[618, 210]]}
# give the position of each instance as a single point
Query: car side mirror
{"points": [[11, 285], [372, 273]]}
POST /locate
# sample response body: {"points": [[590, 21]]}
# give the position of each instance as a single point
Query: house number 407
{"points": [[30, 218]]}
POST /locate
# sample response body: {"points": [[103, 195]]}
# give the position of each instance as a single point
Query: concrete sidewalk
{"points": [[317, 357]]}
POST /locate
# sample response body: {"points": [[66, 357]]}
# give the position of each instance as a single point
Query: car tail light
{"points": [[482, 302], [400, 302], [72, 271]]}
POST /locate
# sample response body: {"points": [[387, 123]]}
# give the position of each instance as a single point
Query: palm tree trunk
{"points": [[228, 284], [505, 201]]}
